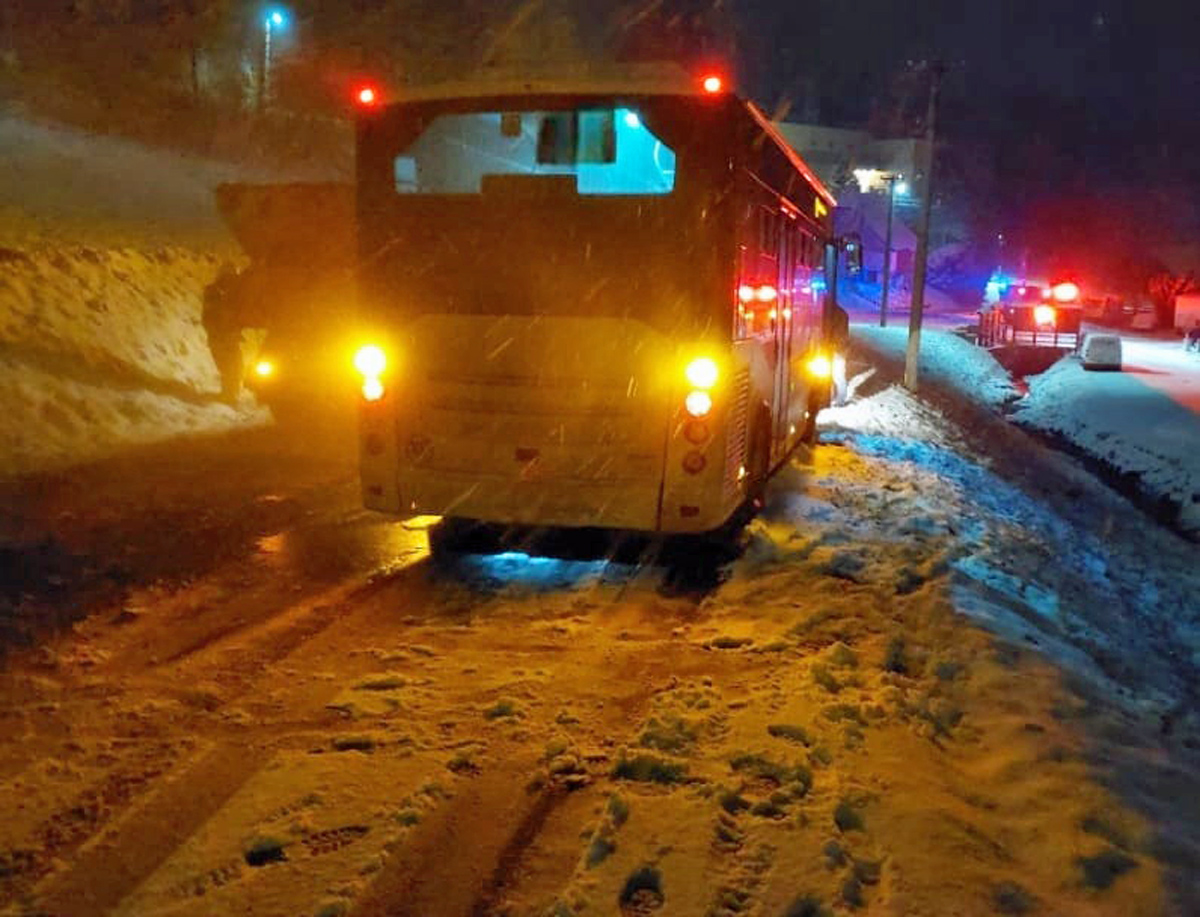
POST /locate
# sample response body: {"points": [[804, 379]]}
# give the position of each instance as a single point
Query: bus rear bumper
{"points": [[494, 499], [559, 504]]}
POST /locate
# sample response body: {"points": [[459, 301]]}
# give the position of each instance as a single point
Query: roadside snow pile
{"points": [[946, 359], [115, 315], [101, 348], [61, 183], [50, 421], [1133, 429]]}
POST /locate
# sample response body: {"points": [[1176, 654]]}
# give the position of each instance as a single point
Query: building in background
{"points": [[836, 155]]}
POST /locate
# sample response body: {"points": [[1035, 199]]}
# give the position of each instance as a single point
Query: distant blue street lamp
{"points": [[275, 19]]}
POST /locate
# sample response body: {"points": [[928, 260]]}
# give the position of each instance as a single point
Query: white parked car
{"points": [[1101, 351]]}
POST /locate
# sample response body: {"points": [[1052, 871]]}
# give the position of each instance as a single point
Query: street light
{"points": [[895, 185], [274, 19]]}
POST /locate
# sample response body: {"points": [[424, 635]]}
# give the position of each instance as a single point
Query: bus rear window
{"points": [[607, 151]]}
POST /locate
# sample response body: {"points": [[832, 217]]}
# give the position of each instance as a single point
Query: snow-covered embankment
{"points": [[102, 349], [1139, 437]]}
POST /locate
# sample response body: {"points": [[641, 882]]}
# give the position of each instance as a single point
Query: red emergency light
{"points": [[366, 96], [713, 84], [1065, 292]]}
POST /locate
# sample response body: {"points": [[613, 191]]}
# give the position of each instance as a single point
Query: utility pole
{"points": [[912, 357], [891, 180], [276, 18]]}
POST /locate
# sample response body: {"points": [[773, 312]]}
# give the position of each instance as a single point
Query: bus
{"points": [[589, 306]]}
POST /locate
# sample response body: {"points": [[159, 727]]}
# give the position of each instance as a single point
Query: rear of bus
{"points": [[540, 275]]}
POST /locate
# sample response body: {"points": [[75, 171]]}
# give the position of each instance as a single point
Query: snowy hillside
{"points": [[1145, 441], [105, 251], [100, 349], [947, 360], [1131, 428]]}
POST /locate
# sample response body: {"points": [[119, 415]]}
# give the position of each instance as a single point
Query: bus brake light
{"points": [[372, 390], [699, 404], [820, 367]]}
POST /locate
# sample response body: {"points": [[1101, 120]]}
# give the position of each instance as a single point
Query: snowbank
{"points": [[1128, 426], [946, 359], [101, 349], [65, 184], [106, 247], [52, 421]]}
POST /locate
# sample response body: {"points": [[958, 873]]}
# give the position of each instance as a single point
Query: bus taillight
{"points": [[766, 293], [371, 361], [372, 390], [696, 432], [703, 372], [820, 367], [699, 404]]}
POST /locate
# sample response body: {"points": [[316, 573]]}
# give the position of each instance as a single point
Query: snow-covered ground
{"points": [[1136, 430], [102, 349], [105, 250], [946, 359], [1162, 363], [834, 728], [1139, 433], [941, 310]]}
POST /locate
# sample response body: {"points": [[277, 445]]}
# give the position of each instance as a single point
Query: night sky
{"points": [[1053, 109]]}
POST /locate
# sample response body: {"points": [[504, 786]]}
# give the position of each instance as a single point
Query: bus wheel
{"points": [[760, 453], [453, 536], [816, 401]]}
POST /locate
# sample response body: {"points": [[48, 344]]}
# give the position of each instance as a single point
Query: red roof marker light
{"points": [[367, 96], [713, 84]]}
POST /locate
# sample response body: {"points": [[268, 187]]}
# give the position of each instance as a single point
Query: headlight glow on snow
{"points": [[371, 361]]}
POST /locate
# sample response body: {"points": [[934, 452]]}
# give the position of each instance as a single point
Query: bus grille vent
{"points": [[735, 453]]}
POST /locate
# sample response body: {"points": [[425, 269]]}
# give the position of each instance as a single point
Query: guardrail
{"points": [[999, 327]]}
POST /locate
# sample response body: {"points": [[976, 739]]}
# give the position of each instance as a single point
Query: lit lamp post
{"points": [[274, 19], [895, 185]]}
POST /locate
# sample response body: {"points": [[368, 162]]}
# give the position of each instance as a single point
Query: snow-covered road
{"points": [[1162, 364], [926, 686]]}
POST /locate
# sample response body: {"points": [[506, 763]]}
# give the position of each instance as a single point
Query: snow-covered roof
{"points": [[634, 79]]}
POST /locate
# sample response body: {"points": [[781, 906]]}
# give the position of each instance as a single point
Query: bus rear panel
{"points": [[542, 274]]}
